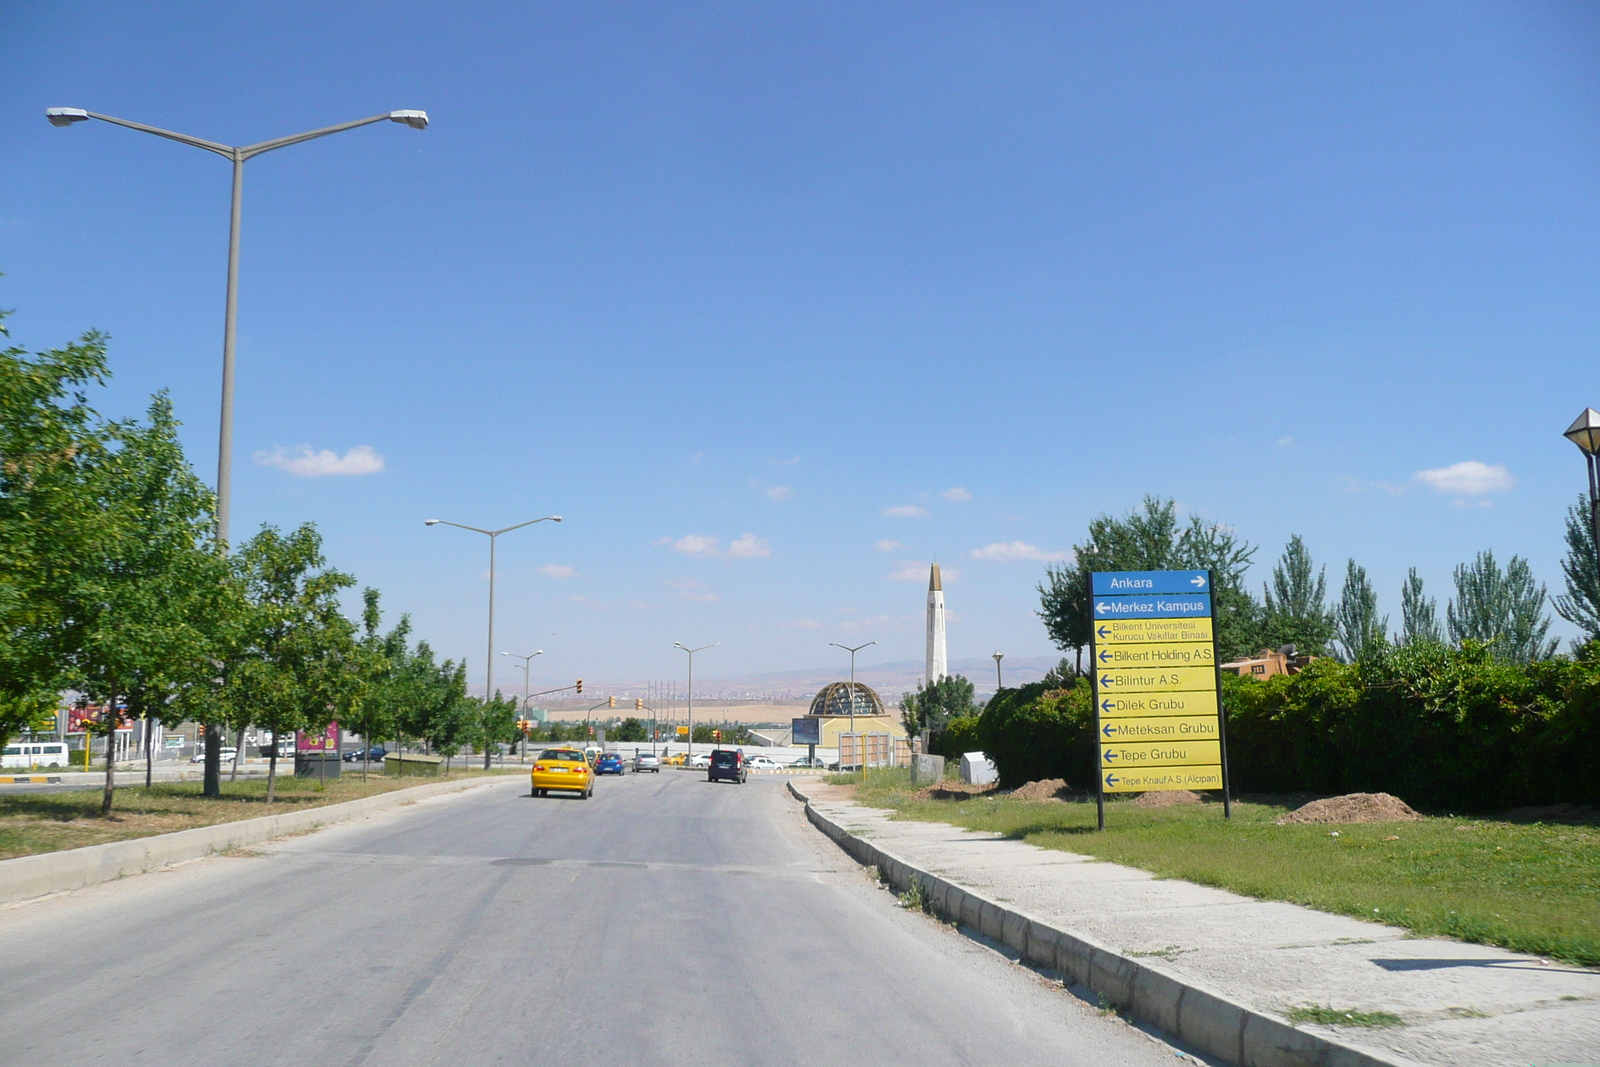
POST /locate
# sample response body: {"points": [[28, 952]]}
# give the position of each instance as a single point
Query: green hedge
{"points": [[1444, 729]]}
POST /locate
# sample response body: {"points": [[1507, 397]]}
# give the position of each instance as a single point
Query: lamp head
{"points": [[417, 120], [1585, 432], [430, 522], [555, 518], [65, 116]]}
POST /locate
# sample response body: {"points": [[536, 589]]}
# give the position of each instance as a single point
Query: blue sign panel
{"points": [[1135, 583], [1177, 606]]}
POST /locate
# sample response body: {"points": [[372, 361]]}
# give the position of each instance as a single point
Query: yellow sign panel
{"points": [[1157, 779], [1165, 631], [1156, 679], [1153, 655], [683, 731], [1142, 705], [1119, 757], [1184, 728]]}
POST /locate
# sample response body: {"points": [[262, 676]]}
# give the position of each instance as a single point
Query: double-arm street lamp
{"points": [[66, 116], [691, 651], [852, 652], [492, 535], [526, 660], [1585, 433]]}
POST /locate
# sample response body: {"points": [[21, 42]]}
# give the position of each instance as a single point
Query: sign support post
{"points": [[1094, 691], [1222, 711]]}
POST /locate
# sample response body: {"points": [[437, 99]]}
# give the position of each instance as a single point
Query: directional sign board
{"points": [[1158, 716]]}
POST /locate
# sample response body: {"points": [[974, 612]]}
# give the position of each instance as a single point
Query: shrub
{"points": [[959, 735], [1036, 732]]}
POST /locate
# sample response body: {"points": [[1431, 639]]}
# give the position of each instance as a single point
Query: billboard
{"points": [[95, 715], [325, 740], [806, 731]]}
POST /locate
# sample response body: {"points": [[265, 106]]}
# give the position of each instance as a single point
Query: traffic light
{"points": [[613, 701], [580, 685], [716, 735], [591, 733], [638, 703]]}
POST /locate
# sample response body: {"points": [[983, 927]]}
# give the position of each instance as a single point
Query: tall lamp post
{"points": [[492, 535], [852, 652], [998, 684], [691, 651], [1585, 433], [526, 660], [66, 116]]}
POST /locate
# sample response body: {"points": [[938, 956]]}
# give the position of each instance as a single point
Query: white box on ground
{"points": [[978, 769], [925, 769]]}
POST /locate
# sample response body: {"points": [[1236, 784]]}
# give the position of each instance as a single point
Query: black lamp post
{"points": [[1585, 433]]}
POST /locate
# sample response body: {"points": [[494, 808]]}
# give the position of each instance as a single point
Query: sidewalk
{"points": [[1463, 1005]]}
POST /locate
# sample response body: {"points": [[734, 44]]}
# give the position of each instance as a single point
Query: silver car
{"points": [[647, 761]]}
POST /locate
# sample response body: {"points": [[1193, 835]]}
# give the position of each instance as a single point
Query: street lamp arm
{"points": [[520, 525], [457, 525], [283, 142], [198, 142]]}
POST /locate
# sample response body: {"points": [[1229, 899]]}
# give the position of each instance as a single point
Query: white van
{"points": [[30, 754]]}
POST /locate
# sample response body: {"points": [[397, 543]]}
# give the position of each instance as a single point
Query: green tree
{"points": [[1580, 605], [491, 723], [1294, 610], [1151, 539], [934, 704], [1503, 610], [1355, 618], [631, 729], [1419, 614]]}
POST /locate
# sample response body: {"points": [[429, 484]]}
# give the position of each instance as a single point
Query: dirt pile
{"points": [[1049, 789], [1352, 807], [1167, 798], [952, 791]]}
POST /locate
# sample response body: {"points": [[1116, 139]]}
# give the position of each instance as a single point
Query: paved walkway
{"points": [[1463, 1005]]}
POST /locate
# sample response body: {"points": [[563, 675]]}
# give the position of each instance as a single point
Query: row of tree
{"points": [[114, 586], [1500, 607]]}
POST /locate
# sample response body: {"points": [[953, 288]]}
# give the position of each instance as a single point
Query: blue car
{"points": [[609, 763]]}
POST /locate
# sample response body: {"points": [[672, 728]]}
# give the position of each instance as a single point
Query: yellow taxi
{"points": [[565, 769], [674, 761]]}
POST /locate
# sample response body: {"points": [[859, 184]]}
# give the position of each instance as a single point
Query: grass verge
{"points": [[1325, 1016], [1530, 888], [31, 823]]}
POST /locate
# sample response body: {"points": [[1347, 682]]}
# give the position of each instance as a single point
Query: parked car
{"points": [[609, 763], [647, 761], [814, 762], [565, 769], [762, 763], [227, 755], [727, 765], [700, 761], [374, 754], [674, 760]]}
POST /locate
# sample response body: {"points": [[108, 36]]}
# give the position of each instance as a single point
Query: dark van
{"points": [[727, 765]]}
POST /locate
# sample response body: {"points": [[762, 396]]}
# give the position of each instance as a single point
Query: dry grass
{"points": [[31, 823]]}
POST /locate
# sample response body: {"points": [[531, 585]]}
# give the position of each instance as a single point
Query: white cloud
{"points": [[778, 462], [1015, 551], [917, 571], [557, 570], [309, 463], [780, 492], [955, 492], [698, 545], [888, 546], [692, 589], [805, 624], [1285, 441], [1468, 478], [750, 547], [905, 511]]}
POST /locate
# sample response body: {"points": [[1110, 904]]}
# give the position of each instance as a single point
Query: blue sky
{"points": [[777, 303]]}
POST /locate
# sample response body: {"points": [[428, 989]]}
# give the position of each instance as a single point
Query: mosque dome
{"points": [[834, 699]]}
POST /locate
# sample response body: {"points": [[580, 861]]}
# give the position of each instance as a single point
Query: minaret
{"points": [[936, 658]]}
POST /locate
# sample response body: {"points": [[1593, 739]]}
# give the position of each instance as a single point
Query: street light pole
{"points": [[998, 684], [493, 536], [852, 652], [691, 651], [67, 116], [526, 660], [1585, 433]]}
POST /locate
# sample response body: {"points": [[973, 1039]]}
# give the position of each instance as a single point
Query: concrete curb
{"points": [[28, 877], [1195, 1015]]}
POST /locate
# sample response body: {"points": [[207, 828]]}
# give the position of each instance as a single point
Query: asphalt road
{"points": [[664, 921]]}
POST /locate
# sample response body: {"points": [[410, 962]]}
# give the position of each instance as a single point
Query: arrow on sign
{"points": [[1109, 756], [1108, 729], [1105, 679], [1107, 707], [1198, 581], [1105, 655], [1103, 632], [1102, 607], [1112, 780]]}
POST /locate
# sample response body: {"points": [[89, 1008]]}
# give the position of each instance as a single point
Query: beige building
{"points": [[832, 707]]}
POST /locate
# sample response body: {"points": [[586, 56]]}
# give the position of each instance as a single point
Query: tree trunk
{"points": [[213, 776], [272, 769], [149, 752], [111, 752]]}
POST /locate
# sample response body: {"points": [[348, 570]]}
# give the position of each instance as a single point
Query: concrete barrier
{"points": [[27, 877], [1195, 1015]]}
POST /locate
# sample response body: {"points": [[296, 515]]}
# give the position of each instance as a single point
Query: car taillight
{"points": [[539, 767]]}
